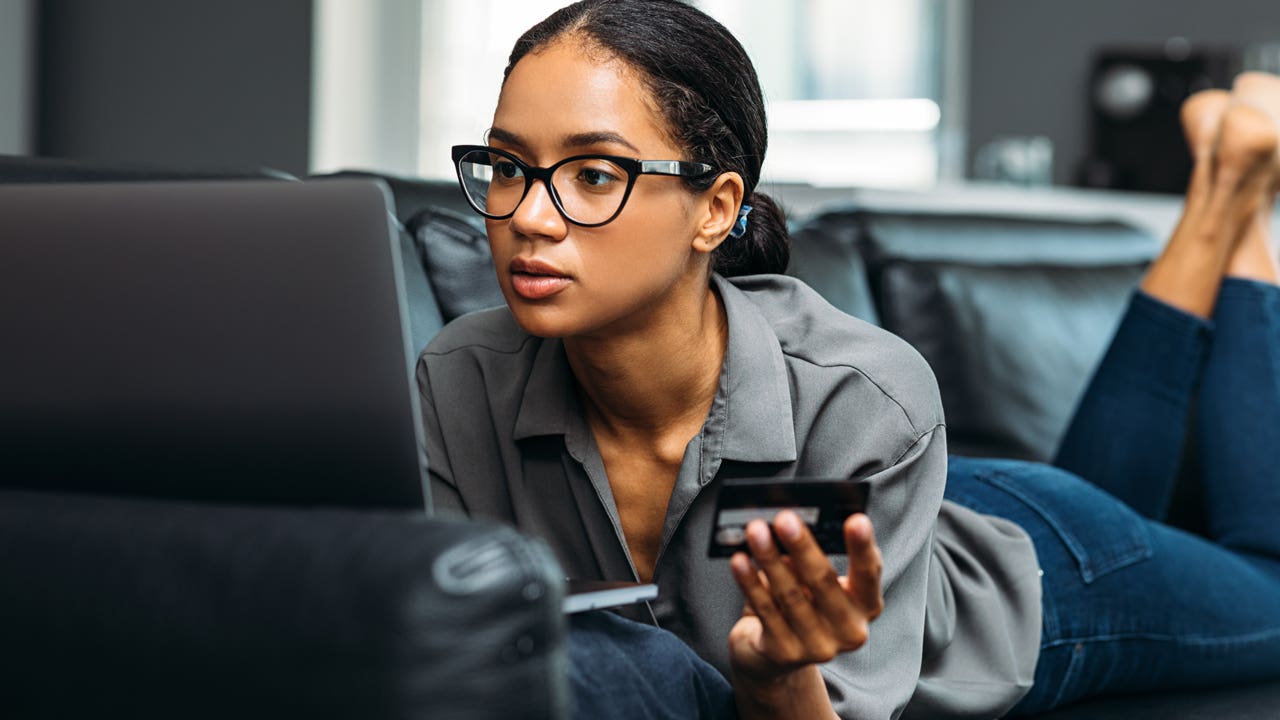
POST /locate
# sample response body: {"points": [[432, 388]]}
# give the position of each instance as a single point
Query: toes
{"points": [[1201, 115], [1242, 171], [1259, 89], [1247, 141]]}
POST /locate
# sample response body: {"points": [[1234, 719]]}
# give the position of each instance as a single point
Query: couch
{"points": [[1012, 307]]}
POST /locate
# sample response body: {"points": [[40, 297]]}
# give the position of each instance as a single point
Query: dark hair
{"points": [[705, 84]]}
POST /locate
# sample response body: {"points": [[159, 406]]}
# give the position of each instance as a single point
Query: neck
{"points": [[656, 378]]}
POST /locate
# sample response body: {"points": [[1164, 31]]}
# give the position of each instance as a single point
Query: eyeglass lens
{"points": [[591, 190]]}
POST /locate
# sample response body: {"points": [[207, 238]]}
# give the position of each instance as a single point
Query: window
{"points": [[859, 92], [854, 87], [465, 49]]}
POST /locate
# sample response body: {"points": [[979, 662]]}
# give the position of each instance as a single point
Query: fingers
{"points": [[865, 565], [807, 612], [792, 625], [813, 569], [777, 642]]}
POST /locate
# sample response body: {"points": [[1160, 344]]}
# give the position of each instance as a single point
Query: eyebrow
{"points": [[577, 140]]}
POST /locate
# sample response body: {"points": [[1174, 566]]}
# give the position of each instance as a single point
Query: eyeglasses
{"points": [[588, 190]]}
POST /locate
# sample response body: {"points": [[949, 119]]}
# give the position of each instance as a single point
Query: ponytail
{"points": [[764, 248]]}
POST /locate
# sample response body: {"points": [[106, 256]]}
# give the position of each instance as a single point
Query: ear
{"points": [[719, 205]]}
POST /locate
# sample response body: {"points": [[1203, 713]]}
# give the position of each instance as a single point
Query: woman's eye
{"points": [[506, 169], [596, 177]]}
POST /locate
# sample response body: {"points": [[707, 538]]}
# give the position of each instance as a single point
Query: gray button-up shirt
{"points": [[804, 390]]}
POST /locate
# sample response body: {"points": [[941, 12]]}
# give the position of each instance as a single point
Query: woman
{"points": [[643, 357]]}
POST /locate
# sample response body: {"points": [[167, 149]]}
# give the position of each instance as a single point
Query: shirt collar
{"points": [[754, 388], [550, 396], [754, 385]]}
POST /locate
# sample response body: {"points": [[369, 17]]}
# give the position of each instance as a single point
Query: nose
{"points": [[537, 215]]}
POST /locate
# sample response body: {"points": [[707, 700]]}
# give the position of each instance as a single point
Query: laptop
{"points": [[240, 342]]}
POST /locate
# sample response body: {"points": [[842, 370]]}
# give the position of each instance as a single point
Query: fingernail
{"points": [[859, 530], [758, 535], [788, 526]]}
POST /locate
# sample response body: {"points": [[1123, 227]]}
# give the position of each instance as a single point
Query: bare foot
{"points": [[1256, 256], [1247, 144], [1201, 117], [1201, 120], [1262, 90], [1229, 186]]}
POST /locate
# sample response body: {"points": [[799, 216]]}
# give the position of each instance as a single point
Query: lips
{"points": [[534, 279]]}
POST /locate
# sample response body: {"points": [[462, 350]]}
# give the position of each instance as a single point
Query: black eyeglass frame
{"points": [[633, 167]]}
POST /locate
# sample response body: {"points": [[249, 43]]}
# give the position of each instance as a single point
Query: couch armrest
{"points": [[145, 608]]}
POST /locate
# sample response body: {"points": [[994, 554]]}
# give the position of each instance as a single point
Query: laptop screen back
{"points": [[224, 341]]}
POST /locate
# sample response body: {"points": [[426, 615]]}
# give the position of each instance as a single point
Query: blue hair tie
{"points": [[740, 227]]}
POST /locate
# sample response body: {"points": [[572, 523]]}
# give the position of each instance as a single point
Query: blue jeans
{"points": [[1132, 604], [623, 669]]}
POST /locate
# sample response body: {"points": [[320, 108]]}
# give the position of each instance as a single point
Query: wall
{"points": [[176, 82], [1029, 59], [16, 45]]}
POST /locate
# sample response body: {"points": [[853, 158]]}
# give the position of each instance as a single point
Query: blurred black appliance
{"points": [[1136, 140]]}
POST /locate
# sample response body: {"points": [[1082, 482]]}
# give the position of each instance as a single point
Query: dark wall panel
{"points": [[176, 82], [1030, 59]]}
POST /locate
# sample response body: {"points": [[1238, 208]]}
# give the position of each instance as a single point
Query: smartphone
{"points": [[821, 503]]}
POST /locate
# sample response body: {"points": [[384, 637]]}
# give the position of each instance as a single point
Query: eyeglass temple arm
{"points": [[674, 167]]}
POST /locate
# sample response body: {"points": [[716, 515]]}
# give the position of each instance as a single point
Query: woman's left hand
{"points": [[799, 611]]}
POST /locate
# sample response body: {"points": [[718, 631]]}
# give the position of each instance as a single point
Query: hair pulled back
{"points": [[704, 83]]}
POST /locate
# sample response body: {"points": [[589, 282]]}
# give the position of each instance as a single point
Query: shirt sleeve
{"points": [[876, 681], [444, 491]]}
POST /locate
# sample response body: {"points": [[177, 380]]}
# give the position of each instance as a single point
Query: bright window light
{"points": [[857, 83], [908, 115]]}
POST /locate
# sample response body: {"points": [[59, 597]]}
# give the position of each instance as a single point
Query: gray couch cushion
{"points": [[1012, 313], [1011, 351], [455, 252], [425, 318], [827, 254]]}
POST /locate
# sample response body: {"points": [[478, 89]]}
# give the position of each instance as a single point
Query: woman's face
{"points": [[565, 280]]}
